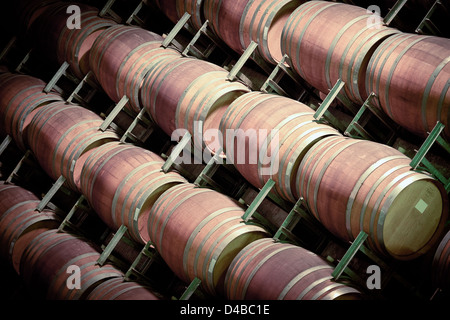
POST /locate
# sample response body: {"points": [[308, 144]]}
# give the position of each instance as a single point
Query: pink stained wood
{"points": [[300, 275], [198, 232]]}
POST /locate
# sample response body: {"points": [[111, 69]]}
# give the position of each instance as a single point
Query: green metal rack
{"points": [[420, 157], [356, 129]]}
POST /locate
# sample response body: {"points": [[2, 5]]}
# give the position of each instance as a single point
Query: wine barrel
{"points": [[22, 244], [119, 289], [415, 103], [51, 26], [27, 11], [262, 146], [18, 216], [166, 84], [175, 9], [169, 8], [198, 232], [46, 261], [300, 275], [109, 51], [10, 85], [356, 185], [238, 23], [330, 41], [440, 268], [74, 45], [202, 105], [20, 95], [122, 182], [410, 15], [60, 133], [135, 68]]}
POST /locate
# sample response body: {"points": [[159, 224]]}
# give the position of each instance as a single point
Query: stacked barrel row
{"points": [[48, 26], [126, 186], [161, 85], [377, 192], [104, 177], [49, 261], [327, 41]]}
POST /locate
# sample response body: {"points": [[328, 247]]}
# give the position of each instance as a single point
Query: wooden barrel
{"points": [[202, 105], [122, 182], [169, 8], [175, 9], [356, 185], [18, 216], [136, 66], [20, 95], [268, 270], [343, 52], [119, 289], [22, 243], [46, 261], [109, 51], [28, 11], [415, 103], [166, 84], [195, 9], [263, 23], [225, 18], [440, 268], [10, 85], [74, 45], [51, 26], [60, 133], [238, 23], [262, 146], [411, 14], [198, 232]]}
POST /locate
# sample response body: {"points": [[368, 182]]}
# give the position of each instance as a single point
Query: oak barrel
{"points": [[175, 9], [122, 182], [353, 185], [166, 84], [300, 275], [135, 68], [119, 289], [198, 232], [60, 133], [240, 22], [330, 41], [18, 216], [202, 105], [414, 102], [49, 29], [27, 11], [45, 266], [20, 95], [266, 136], [109, 51], [74, 45], [440, 268]]}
